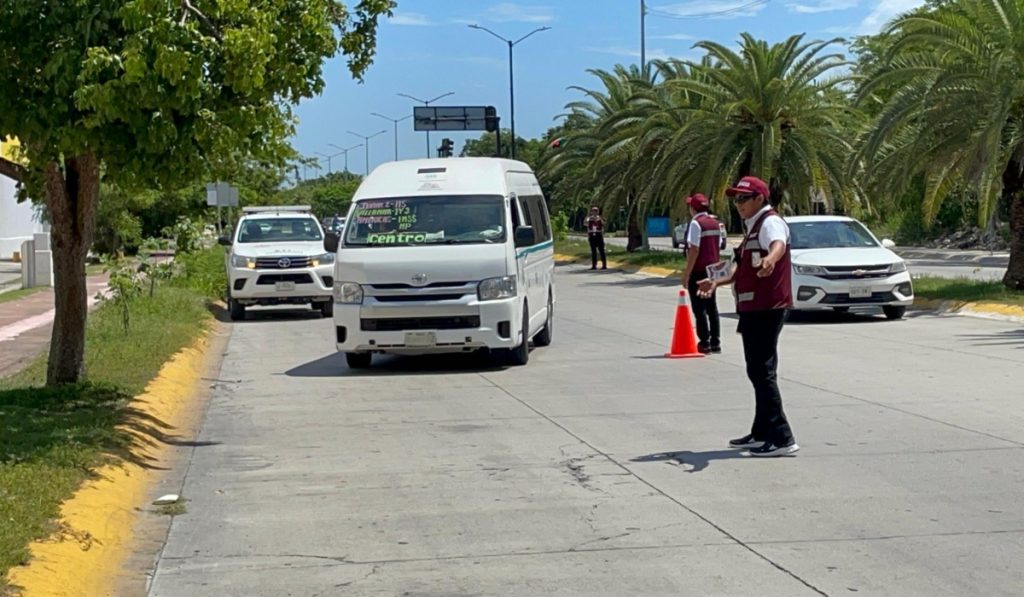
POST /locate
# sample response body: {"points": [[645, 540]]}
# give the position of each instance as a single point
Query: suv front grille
{"points": [[856, 272], [283, 262]]}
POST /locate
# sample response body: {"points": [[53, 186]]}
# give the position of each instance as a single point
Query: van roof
{"points": [[440, 176]]}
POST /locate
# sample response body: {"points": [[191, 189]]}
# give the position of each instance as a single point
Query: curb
{"points": [[86, 557]]}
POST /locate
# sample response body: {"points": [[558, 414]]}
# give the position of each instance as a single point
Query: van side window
{"points": [[514, 206], [524, 209], [536, 208]]}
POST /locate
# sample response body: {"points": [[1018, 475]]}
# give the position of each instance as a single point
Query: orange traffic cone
{"points": [[684, 341]]}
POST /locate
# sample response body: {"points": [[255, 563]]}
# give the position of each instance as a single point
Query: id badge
{"points": [[755, 259]]}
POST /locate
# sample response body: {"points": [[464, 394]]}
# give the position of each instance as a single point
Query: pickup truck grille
{"points": [[283, 262]]}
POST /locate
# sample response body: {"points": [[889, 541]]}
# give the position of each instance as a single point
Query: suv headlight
{"points": [[809, 270], [348, 293], [898, 267], [493, 289], [325, 259], [243, 262]]}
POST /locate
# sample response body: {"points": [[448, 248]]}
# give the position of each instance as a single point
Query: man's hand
{"points": [[705, 288], [767, 267]]}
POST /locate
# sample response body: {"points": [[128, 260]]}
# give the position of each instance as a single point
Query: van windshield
{"points": [[432, 220]]}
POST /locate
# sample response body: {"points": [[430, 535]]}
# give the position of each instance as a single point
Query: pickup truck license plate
{"points": [[860, 291], [284, 286], [420, 339]]}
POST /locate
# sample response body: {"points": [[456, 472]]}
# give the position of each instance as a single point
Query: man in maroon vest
{"points": [[763, 288], [703, 238], [595, 234]]}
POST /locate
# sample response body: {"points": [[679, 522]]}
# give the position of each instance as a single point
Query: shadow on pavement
{"points": [[696, 461], [333, 365], [644, 282], [265, 315], [1004, 338]]}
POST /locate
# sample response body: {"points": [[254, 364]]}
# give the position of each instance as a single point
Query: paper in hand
{"points": [[719, 271]]}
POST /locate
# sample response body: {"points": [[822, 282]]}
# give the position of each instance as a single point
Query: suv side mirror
{"points": [[224, 240], [331, 242], [888, 244], [526, 236]]}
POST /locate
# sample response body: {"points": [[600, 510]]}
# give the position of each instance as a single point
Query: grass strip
{"points": [[966, 290]]}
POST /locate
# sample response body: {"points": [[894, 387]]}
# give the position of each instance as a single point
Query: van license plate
{"points": [[860, 291], [284, 286], [420, 339]]}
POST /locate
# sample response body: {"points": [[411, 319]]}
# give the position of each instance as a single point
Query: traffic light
{"points": [[445, 151], [491, 119]]}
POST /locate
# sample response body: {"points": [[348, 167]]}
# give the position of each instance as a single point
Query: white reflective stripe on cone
{"points": [[684, 299]]}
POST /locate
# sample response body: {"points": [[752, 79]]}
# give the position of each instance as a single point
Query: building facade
{"points": [[18, 221]]}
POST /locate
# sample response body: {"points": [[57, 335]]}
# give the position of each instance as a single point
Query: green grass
{"points": [[54, 437], [667, 259], [13, 295], [966, 290]]}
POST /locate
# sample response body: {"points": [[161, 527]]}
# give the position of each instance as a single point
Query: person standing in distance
{"points": [[703, 242], [595, 234], [763, 288]]}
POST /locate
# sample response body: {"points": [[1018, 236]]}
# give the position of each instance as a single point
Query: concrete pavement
{"points": [[600, 468]]}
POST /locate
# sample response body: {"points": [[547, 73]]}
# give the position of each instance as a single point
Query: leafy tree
{"points": [[154, 94]]}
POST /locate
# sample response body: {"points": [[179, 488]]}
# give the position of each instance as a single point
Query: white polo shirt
{"points": [[774, 228]]}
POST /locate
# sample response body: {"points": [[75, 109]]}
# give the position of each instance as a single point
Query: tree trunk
{"points": [[71, 197], [1014, 277], [634, 236]]}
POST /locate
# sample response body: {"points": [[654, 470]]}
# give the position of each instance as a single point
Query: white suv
{"points": [[277, 257]]}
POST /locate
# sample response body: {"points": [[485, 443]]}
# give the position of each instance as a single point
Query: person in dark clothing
{"points": [[762, 282], [595, 234], [703, 242]]}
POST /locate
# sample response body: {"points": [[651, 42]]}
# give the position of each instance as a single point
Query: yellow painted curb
{"points": [[663, 272], [983, 308], [86, 557]]}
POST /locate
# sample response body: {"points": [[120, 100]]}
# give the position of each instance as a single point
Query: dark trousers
{"points": [[705, 310], [597, 245], [760, 331]]}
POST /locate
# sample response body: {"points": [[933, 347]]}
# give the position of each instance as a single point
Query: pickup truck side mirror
{"points": [[331, 242], [888, 244], [224, 241], [525, 236]]}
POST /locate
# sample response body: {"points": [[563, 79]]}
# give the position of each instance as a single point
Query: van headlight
{"points": [[809, 270], [243, 262], [325, 259], [348, 293], [493, 289], [898, 267]]}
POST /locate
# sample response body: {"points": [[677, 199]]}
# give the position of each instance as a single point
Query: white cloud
{"points": [[414, 19], [822, 6], [510, 12], [673, 36], [727, 9], [885, 11]]}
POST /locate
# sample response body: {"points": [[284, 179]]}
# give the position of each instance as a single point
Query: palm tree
{"points": [[957, 115], [774, 111]]}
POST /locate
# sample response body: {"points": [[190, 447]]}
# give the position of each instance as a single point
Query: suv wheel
{"points": [[894, 311]]}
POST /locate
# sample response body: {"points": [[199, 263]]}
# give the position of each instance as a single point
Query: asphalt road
{"points": [[601, 468], [975, 265]]}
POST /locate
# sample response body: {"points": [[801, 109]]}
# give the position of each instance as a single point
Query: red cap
{"points": [[749, 184], [698, 201]]}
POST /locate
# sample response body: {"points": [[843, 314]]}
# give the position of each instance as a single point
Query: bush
{"points": [[204, 272], [560, 225]]}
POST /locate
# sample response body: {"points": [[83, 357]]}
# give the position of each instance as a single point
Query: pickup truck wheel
{"points": [[327, 309], [359, 360], [236, 310]]}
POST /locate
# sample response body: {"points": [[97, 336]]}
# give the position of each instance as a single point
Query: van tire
{"points": [[544, 337], [520, 355], [359, 360], [236, 310], [326, 309]]}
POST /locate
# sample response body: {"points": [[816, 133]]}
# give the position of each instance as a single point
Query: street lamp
{"points": [[366, 141], [511, 84], [345, 151], [395, 121], [426, 103], [329, 158]]}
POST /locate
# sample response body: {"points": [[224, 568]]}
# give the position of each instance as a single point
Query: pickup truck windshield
{"points": [[444, 219], [278, 230]]}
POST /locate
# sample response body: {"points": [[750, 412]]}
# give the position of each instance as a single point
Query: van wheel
{"points": [[236, 310], [894, 311], [359, 360], [327, 309], [543, 337], [520, 355]]}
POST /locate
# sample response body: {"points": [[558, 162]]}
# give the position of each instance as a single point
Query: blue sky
{"points": [[427, 49]]}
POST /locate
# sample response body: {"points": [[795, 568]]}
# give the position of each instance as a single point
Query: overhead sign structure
{"points": [[455, 118]]}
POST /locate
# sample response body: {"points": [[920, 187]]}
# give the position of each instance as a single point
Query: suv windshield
{"points": [[277, 230], [830, 235], [445, 219]]}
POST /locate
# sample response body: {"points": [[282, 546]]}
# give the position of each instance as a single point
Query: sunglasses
{"points": [[744, 198]]}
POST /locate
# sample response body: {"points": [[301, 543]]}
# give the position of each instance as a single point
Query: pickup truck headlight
{"points": [[898, 267], [348, 293], [809, 270], [325, 259], [493, 289], [243, 262]]}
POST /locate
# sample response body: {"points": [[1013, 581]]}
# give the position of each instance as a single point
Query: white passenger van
{"points": [[444, 255]]}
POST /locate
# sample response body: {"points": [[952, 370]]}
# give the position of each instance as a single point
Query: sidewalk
{"points": [[26, 323]]}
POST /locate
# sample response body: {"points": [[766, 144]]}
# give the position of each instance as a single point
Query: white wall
{"points": [[17, 220]]}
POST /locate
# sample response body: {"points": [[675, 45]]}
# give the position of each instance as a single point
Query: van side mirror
{"points": [[331, 242], [526, 236], [888, 244], [224, 241]]}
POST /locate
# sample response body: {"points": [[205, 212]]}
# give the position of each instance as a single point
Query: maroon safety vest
{"points": [[710, 237], [595, 224], [762, 294]]}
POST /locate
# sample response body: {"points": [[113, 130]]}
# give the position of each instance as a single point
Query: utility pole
{"points": [[643, 35]]}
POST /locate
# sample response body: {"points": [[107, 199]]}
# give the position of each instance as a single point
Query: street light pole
{"points": [[426, 103], [511, 79], [395, 121], [345, 150], [366, 142]]}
